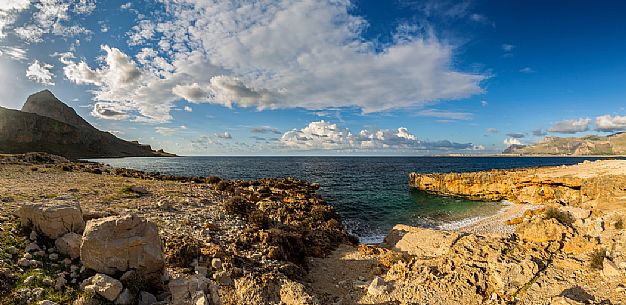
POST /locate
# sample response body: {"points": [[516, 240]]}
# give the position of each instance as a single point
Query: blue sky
{"points": [[397, 77]]}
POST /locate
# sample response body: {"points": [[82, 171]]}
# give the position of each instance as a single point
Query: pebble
{"points": [[53, 257], [33, 236], [12, 250], [23, 262], [29, 280], [32, 247], [216, 263]]}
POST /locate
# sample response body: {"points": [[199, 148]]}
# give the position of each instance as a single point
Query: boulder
{"points": [[125, 298], [52, 220], [69, 244], [420, 241], [540, 231], [120, 243], [146, 298], [104, 285]]}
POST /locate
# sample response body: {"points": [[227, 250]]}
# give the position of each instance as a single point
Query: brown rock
{"points": [[420, 241], [69, 244]]}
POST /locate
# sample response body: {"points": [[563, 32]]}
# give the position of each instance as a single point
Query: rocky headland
{"points": [[86, 233], [614, 144], [45, 124]]}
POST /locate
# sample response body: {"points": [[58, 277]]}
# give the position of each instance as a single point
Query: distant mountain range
{"points": [[614, 144], [45, 124]]}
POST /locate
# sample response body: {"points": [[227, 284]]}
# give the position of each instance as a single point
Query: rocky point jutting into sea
{"points": [[87, 233]]}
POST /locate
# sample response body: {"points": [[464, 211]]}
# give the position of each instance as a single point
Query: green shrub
{"points": [[597, 258]]}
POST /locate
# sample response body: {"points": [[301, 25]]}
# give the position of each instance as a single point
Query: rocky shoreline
{"points": [[86, 233]]}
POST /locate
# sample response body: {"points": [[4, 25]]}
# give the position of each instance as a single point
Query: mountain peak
{"points": [[44, 103]]}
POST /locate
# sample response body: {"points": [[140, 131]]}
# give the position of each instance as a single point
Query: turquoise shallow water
{"points": [[370, 193]]}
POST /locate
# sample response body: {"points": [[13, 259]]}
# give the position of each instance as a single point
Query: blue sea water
{"points": [[370, 193]]}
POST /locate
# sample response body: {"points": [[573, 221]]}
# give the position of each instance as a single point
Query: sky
{"points": [[323, 77]]}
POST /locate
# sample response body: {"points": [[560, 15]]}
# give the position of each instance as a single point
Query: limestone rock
{"points": [[46, 302], [104, 285], [580, 245], [184, 288], [540, 231], [146, 298], [125, 298], [119, 243], [52, 220], [420, 241], [610, 269], [377, 287], [69, 244]]}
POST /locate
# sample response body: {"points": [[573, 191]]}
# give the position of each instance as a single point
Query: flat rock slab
{"points": [[420, 241], [120, 243], [52, 220]]}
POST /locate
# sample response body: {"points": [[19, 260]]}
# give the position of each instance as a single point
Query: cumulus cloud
{"points": [[106, 111], [611, 123], [282, 54], [323, 135], [512, 141], [571, 126], [40, 72], [442, 114], [188, 109]]}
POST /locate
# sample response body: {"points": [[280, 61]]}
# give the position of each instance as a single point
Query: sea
{"points": [[371, 194]]}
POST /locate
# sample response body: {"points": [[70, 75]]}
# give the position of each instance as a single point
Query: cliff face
{"points": [[588, 145], [589, 190], [45, 124]]}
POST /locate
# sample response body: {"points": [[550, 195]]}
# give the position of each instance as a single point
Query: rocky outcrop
{"points": [[120, 243], [614, 144], [551, 185], [45, 124], [52, 220]]}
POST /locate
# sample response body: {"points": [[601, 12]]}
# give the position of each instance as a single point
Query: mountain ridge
{"points": [[46, 124], [614, 144]]}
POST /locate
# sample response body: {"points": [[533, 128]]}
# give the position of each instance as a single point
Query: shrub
{"points": [[223, 186], [619, 224], [236, 205], [563, 217], [258, 219], [213, 179], [597, 258], [180, 251]]}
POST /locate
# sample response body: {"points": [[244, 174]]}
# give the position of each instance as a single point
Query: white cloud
{"points": [[9, 9], [492, 130], [443, 114], [14, 53], [571, 126], [307, 54], [52, 16], [527, 70], [108, 112], [484, 103], [323, 135], [512, 141], [507, 47], [168, 131], [40, 72], [611, 123], [265, 129], [188, 109], [224, 135]]}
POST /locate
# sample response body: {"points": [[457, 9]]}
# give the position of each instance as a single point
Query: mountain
{"points": [[45, 124], [614, 144]]}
